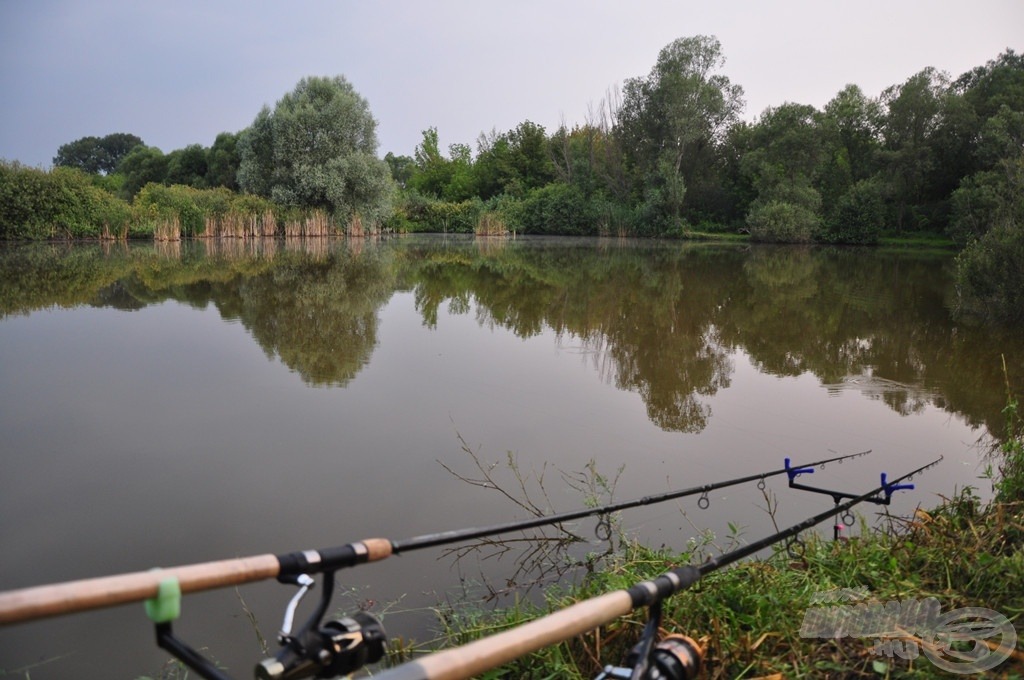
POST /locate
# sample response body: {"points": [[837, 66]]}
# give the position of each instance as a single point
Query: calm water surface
{"points": [[201, 401]]}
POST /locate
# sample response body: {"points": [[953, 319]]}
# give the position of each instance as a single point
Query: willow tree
{"points": [[317, 150]]}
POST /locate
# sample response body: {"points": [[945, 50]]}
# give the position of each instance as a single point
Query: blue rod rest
{"points": [[793, 472], [890, 488]]}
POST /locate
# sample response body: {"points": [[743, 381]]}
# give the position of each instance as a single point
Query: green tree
{"points": [[494, 169], [96, 155], [317, 149], [187, 166], [998, 83], [672, 121], [448, 178], [514, 162], [433, 171], [913, 113], [530, 156], [62, 203], [144, 164], [783, 166], [850, 128], [222, 162], [402, 168]]}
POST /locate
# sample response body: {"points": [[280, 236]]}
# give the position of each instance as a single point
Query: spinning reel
{"points": [[675, 657], [318, 650]]}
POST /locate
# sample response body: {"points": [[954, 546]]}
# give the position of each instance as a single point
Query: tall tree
{"points": [[402, 168], [187, 166], [144, 164], [672, 120], [433, 172], [317, 149], [513, 162], [850, 124], [222, 162], [913, 113], [783, 167]]}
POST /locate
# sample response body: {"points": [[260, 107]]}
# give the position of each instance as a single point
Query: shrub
{"points": [[63, 203], [857, 217], [782, 222], [557, 209], [174, 203]]}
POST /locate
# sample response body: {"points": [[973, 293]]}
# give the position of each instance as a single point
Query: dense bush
{"points": [[419, 213], [782, 222], [210, 212], [858, 216], [157, 203], [556, 209], [62, 203]]}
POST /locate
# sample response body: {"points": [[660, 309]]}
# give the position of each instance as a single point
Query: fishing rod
{"points": [[343, 645], [108, 591], [675, 658]]}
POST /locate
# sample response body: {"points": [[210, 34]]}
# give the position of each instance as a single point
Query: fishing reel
{"points": [[338, 647], [674, 657], [334, 648]]}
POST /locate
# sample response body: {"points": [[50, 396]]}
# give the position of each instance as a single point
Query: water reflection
{"points": [[165, 429], [661, 320]]}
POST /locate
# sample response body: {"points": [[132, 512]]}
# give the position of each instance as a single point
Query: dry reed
{"points": [[314, 225], [168, 229], [491, 224], [240, 225], [355, 227]]}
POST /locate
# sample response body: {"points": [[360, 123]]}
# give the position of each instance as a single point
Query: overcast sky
{"points": [[179, 72]]}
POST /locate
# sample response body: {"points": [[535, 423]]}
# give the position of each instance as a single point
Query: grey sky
{"points": [[177, 73]]}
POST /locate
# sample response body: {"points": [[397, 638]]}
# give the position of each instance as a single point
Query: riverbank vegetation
{"points": [[666, 155], [751, 619]]}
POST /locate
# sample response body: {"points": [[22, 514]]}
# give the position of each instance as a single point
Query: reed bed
{"points": [[491, 224], [118, 235], [317, 224], [355, 227], [240, 225], [167, 229]]}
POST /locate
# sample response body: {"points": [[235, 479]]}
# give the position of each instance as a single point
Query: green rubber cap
{"points": [[166, 606]]}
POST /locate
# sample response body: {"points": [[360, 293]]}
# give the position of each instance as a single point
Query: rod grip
{"points": [[477, 657], [107, 591]]}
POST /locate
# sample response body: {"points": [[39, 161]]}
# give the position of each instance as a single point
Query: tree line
{"points": [[667, 155]]}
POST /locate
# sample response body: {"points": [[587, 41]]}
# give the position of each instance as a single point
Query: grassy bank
{"points": [[963, 553]]}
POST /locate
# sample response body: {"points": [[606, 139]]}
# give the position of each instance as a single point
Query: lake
{"points": [[164, 404]]}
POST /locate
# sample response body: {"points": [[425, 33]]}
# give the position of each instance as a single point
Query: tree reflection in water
{"points": [[663, 320]]}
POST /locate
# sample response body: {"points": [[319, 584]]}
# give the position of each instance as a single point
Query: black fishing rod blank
{"points": [[457, 536], [293, 660], [488, 653], [316, 649], [73, 596]]}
